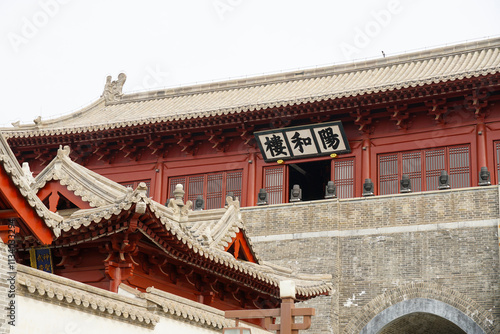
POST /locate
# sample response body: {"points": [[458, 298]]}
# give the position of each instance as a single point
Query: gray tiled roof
{"points": [[237, 96]]}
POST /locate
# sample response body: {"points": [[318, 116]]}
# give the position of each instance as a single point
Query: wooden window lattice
{"points": [[425, 165], [274, 178], [213, 187], [343, 177]]}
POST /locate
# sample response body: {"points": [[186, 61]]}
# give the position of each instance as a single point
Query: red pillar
{"points": [[481, 146], [365, 160], [251, 191], [158, 182], [286, 318]]}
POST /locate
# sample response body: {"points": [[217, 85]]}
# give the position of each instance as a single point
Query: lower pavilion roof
{"points": [[117, 110], [198, 239]]}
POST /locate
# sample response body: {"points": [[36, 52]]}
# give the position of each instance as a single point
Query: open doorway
{"points": [[312, 178]]}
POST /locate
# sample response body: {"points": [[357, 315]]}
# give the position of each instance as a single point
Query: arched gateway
{"points": [[421, 308], [422, 315]]}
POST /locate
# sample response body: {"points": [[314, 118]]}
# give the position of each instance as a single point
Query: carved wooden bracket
{"points": [[83, 153], [477, 103], [70, 257], [187, 144], [363, 120], [42, 155], [400, 115], [156, 144], [246, 133], [132, 149], [104, 152], [320, 118], [437, 108], [216, 138], [281, 119], [119, 265]]}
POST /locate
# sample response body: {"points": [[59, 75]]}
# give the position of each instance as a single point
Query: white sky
{"points": [[55, 54]]}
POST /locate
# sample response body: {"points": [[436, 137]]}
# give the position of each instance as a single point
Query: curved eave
{"points": [[188, 250], [23, 200]]}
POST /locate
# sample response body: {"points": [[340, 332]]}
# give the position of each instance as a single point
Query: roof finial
{"points": [[63, 151], [113, 89]]}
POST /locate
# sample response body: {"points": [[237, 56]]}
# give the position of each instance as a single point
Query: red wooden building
{"points": [[416, 114]]}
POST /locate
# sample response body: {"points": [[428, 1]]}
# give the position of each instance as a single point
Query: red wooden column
{"points": [[365, 160], [482, 160], [251, 190], [158, 182]]}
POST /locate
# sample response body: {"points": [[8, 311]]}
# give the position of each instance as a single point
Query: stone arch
{"points": [[428, 291]]}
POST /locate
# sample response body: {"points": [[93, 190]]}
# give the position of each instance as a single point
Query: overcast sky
{"points": [[56, 54]]}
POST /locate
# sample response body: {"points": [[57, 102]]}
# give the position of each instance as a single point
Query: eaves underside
{"points": [[219, 117]]}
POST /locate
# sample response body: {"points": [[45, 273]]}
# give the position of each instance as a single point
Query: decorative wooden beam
{"points": [[8, 213], [28, 214]]}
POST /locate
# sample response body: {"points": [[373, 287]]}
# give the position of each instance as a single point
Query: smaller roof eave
{"points": [[16, 186], [91, 187]]}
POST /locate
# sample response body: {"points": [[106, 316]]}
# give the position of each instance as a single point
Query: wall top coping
{"points": [[371, 198]]}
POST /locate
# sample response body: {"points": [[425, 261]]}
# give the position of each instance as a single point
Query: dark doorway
{"points": [[421, 323], [312, 178]]}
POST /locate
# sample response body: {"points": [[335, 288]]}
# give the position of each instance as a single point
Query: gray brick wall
{"points": [[376, 245]]}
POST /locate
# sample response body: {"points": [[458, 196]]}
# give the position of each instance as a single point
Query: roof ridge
{"points": [[377, 76], [302, 74]]}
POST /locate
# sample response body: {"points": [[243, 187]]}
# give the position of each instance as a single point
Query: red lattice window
{"points": [[424, 168], [388, 174], [435, 162], [412, 165], [274, 180], [214, 187], [459, 166], [343, 177]]}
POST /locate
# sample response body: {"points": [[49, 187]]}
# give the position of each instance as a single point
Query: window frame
{"points": [[428, 177], [210, 201]]}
